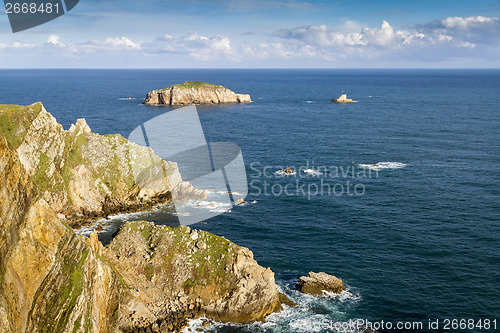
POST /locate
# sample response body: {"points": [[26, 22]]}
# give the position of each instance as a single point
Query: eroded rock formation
{"points": [[342, 99], [315, 283], [194, 92], [149, 279], [83, 174]]}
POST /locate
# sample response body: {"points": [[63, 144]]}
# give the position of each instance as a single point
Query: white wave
{"points": [[383, 165], [312, 172], [107, 223], [309, 102], [223, 192], [125, 98], [196, 325], [345, 296], [213, 206], [370, 96], [303, 318]]}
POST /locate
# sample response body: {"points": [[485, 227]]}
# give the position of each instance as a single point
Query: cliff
{"points": [[50, 280], [149, 279], [194, 92], [83, 174]]}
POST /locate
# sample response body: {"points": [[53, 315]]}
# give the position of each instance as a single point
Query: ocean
{"points": [[415, 237]]}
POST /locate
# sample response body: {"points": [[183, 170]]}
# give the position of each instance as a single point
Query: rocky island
{"points": [[194, 92], [342, 99], [148, 279]]}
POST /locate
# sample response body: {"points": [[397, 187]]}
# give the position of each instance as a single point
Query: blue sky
{"points": [[261, 34]]}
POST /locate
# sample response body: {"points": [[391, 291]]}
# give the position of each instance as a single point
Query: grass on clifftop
{"points": [[191, 84], [15, 120]]}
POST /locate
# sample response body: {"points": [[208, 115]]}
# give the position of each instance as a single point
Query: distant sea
{"points": [[422, 240]]}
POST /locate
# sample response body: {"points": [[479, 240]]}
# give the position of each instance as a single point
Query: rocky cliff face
{"points": [[183, 272], [82, 174], [194, 92], [149, 279], [50, 280]]}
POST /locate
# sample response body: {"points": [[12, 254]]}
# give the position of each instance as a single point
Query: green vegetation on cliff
{"points": [[15, 121], [84, 174], [191, 84]]}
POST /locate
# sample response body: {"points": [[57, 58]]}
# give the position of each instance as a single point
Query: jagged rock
{"points": [[342, 99], [147, 279], [287, 301], [222, 281], [50, 279], [315, 283], [194, 92], [83, 174]]}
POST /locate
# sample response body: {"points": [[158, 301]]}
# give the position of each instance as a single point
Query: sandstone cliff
{"points": [[82, 174], [194, 92], [147, 280]]}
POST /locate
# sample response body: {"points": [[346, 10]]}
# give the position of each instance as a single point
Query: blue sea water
{"points": [[423, 240]]}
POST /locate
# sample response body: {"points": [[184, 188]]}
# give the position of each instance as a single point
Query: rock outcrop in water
{"points": [[194, 92], [315, 283], [342, 99], [148, 279], [83, 174]]}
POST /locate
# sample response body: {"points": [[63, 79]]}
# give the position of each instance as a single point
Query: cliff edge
{"points": [[148, 279], [194, 92], [86, 175]]}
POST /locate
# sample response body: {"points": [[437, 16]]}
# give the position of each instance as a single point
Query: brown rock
{"points": [[315, 283], [86, 175], [287, 301], [194, 92]]}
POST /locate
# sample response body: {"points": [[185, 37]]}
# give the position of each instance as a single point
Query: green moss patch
{"points": [[192, 84], [15, 121]]}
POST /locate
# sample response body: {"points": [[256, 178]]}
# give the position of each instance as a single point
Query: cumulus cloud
{"points": [[121, 43], [55, 40], [474, 39], [198, 47], [435, 41]]}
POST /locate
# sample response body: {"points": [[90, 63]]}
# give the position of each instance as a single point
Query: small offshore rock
{"points": [[342, 99], [315, 283]]}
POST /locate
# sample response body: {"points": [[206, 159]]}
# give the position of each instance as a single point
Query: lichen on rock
{"points": [[149, 278], [83, 174]]}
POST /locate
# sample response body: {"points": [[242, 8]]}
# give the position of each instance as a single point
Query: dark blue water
{"points": [[422, 242]]}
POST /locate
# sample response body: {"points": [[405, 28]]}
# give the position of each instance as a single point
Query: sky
{"points": [[261, 34]]}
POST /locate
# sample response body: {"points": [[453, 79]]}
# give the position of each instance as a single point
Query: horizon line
{"points": [[251, 68]]}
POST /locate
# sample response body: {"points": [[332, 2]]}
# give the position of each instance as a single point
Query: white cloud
{"points": [[435, 41], [55, 40], [120, 43], [467, 23], [472, 39], [16, 45], [198, 47]]}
